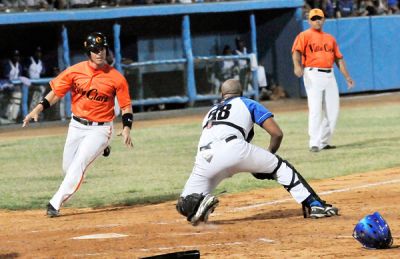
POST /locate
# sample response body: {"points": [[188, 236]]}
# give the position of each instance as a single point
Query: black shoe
{"points": [[107, 151], [314, 149], [325, 210], [329, 147], [52, 212], [206, 207]]}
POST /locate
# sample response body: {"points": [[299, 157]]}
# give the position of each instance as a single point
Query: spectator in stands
{"points": [[36, 70], [229, 68], [36, 5], [244, 70], [393, 6], [370, 7], [82, 3], [58, 4], [223, 70], [247, 67], [344, 8], [13, 71]]}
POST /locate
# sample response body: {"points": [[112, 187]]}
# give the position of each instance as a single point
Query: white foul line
{"points": [[321, 193]]}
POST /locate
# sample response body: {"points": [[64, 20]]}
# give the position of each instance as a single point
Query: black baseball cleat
{"points": [[107, 151], [314, 149], [326, 210], [207, 206], [52, 212], [329, 147]]}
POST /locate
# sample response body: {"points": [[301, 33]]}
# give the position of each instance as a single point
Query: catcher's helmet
{"points": [[94, 42], [373, 232]]}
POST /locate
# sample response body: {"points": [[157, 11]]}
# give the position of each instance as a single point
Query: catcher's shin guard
{"points": [[300, 180]]}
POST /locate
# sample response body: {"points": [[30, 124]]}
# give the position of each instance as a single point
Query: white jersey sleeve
{"points": [[234, 116]]}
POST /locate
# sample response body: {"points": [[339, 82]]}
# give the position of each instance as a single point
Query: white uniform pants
{"points": [[83, 145], [323, 105], [224, 160]]}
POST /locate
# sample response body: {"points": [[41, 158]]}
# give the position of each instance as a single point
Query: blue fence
{"points": [[370, 46]]}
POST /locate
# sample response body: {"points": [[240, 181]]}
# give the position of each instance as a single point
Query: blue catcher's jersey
{"points": [[234, 116]]}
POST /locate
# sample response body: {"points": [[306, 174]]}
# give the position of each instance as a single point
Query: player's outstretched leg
{"points": [[313, 206], [197, 207]]}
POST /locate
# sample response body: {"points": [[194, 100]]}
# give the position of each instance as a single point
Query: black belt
{"points": [[208, 146], [324, 70], [87, 122], [230, 138]]}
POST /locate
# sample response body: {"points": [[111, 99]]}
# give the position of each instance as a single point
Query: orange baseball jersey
{"points": [[92, 90], [318, 49]]}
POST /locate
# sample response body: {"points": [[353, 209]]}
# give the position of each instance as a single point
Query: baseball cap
{"points": [[315, 12]]}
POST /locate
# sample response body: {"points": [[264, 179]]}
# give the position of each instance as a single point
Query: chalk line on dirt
{"points": [[100, 236], [348, 189]]}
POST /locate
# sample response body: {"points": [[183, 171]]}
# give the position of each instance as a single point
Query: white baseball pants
{"points": [[224, 159], [323, 105], [83, 145]]}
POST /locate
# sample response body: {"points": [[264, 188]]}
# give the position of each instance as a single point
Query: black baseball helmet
{"points": [[94, 42]]}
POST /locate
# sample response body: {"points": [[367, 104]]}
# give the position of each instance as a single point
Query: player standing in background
{"points": [[224, 149], [93, 85], [313, 54]]}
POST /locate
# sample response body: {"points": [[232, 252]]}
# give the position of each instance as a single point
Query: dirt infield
{"points": [[257, 224]]}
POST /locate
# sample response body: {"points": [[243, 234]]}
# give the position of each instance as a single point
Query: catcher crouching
{"points": [[224, 149]]}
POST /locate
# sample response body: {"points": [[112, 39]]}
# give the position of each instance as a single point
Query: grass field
{"points": [[158, 166]]}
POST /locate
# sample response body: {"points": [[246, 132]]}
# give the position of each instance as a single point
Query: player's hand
{"points": [[298, 71], [350, 83], [32, 115], [126, 135]]}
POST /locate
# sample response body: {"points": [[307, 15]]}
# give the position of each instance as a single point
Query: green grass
{"points": [[161, 161]]}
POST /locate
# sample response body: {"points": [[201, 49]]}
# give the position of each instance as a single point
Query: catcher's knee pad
{"points": [[187, 206], [294, 182], [271, 176]]}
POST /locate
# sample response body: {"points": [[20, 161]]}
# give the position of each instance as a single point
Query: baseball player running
{"points": [[317, 51], [93, 85], [224, 149]]}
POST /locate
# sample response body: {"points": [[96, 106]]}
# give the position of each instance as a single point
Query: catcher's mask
{"points": [[373, 232], [95, 42]]}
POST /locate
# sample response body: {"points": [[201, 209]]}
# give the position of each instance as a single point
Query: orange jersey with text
{"points": [[92, 90], [318, 49]]}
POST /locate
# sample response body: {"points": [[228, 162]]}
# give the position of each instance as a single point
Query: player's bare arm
{"points": [[343, 69], [298, 68], [276, 133], [47, 101], [127, 119]]}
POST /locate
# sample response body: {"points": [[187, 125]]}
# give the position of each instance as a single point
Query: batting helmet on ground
{"points": [[373, 232], [95, 42]]}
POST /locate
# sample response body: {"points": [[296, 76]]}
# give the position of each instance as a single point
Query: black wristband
{"points": [[45, 104], [127, 120]]}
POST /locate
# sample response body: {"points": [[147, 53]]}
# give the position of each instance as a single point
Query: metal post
{"points": [[187, 45], [117, 46], [253, 30], [67, 62]]}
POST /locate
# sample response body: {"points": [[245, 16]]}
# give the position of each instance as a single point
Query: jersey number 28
{"points": [[221, 113]]}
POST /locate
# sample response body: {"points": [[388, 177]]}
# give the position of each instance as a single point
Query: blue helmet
{"points": [[373, 232]]}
